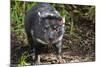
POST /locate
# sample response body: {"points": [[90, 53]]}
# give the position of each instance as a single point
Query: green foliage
{"points": [[22, 60], [18, 10]]}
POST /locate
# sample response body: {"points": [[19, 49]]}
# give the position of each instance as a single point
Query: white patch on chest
{"points": [[43, 42]]}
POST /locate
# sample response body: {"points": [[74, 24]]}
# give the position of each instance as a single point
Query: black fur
{"points": [[45, 23]]}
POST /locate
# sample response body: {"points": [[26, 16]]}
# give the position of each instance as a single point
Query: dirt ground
{"points": [[68, 56]]}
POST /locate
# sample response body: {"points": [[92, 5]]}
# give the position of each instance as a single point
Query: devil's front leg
{"points": [[37, 53], [58, 48]]}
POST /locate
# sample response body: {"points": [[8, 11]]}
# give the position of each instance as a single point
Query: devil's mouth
{"points": [[49, 42]]}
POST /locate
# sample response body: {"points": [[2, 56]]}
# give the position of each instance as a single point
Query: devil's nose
{"points": [[51, 36]]}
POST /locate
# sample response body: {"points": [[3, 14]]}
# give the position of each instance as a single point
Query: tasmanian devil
{"points": [[44, 26]]}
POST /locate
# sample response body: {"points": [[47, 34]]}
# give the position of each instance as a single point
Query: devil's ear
{"points": [[62, 21]]}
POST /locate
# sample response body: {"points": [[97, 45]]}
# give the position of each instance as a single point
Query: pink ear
{"points": [[62, 21]]}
